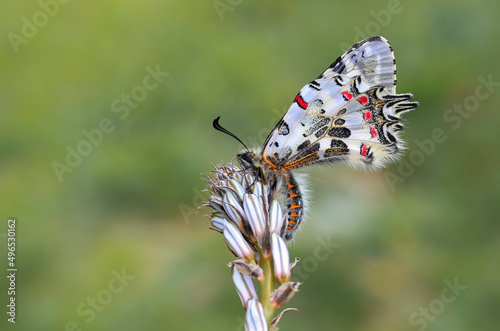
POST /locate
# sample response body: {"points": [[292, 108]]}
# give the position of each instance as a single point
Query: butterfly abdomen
{"points": [[294, 204]]}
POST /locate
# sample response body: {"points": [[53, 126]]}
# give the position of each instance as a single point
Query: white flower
{"points": [[255, 320], [237, 243], [244, 286], [255, 215], [276, 218], [281, 259]]}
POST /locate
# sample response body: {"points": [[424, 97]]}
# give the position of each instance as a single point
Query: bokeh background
{"points": [[128, 206]]}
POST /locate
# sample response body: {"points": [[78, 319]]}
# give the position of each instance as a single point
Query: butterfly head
{"points": [[246, 159]]}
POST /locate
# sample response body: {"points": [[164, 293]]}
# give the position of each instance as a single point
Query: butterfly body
{"points": [[350, 114], [284, 181]]}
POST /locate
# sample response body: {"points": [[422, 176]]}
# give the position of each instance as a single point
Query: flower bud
{"points": [[244, 286], [281, 259], [233, 209], [254, 213], [218, 220], [255, 320], [276, 218], [233, 184], [237, 243]]}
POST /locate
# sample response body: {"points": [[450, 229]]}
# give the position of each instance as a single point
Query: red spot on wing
{"points": [[347, 95], [363, 99], [364, 149], [373, 132], [367, 115], [301, 101]]}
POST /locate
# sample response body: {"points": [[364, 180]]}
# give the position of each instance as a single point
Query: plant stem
{"points": [[267, 285]]}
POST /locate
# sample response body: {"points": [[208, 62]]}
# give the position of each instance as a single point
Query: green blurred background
{"points": [[129, 204]]}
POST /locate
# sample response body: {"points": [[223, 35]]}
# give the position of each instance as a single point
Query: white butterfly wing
{"points": [[348, 114], [372, 59]]}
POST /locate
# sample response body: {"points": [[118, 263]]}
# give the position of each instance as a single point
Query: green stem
{"points": [[267, 287]]}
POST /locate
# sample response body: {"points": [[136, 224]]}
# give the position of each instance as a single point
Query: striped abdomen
{"points": [[294, 205]]}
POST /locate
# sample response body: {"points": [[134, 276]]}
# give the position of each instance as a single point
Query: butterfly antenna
{"points": [[218, 127]]}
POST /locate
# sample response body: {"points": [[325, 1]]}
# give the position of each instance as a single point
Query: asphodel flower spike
{"points": [[252, 223]]}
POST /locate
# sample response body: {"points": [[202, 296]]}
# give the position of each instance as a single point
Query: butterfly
{"points": [[350, 115]]}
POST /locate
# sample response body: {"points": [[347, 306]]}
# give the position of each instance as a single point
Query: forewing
{"points": [[372, 59], [343, 115]]}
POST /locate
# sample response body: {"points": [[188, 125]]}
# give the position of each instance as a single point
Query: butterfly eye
{"points": [[245, 159]]}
